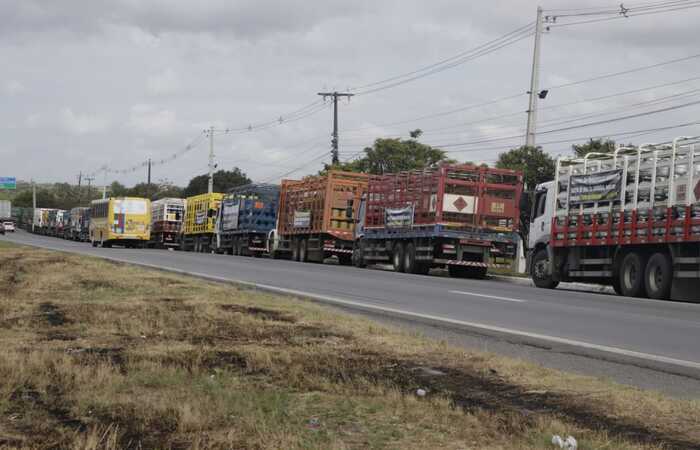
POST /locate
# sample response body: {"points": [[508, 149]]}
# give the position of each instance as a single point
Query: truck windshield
{"points": [[130, 207]]}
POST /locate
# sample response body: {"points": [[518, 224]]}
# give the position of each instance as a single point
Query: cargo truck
{"points": [[40, 223], [629, 219], [5, 210], [79, 224], [200, 220], [317, 215], [245, 219], [459, 217], [167, 216]]}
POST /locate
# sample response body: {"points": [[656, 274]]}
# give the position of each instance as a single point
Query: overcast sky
{"points": [[86, 84]]}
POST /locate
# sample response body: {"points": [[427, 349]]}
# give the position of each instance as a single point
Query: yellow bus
{"points": [[123, 221]]}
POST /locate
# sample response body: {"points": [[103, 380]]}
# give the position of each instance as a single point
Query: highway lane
{"points": [[656, 329]]}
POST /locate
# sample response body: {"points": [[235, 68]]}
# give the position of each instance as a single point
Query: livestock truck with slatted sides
{"points": [[460, 217], [198, 233], [629, 219], [245, 219], [167, 217], [317, 215]]}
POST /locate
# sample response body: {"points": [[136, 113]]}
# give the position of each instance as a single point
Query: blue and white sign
{"points": [[8, 183]]}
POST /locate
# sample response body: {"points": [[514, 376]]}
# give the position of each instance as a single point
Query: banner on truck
{"points": [[8, 183], [229, 217], [595, 187], [302, 219], [398, 217]]}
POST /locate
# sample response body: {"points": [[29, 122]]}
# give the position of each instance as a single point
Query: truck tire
{"points": [[456, 271], [539, 272], [658, 276], [303, 251], [358, 255], [409, 258], [477, 273], [295, 250], [631, 276], [398, 257], [94, 243]]}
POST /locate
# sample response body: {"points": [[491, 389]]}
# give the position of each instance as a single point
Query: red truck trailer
{"points": [[317, 216], [459, 217]]}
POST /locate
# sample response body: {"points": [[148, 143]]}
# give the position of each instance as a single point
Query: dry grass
{"points": [[143, 359]]}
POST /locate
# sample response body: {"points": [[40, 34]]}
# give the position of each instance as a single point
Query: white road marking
{"points": [[495, 297]]}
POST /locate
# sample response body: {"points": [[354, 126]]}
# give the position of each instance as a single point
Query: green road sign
{"points": [[8, 183]]}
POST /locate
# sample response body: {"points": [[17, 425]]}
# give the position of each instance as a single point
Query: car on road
{"points": [[9, 226]]}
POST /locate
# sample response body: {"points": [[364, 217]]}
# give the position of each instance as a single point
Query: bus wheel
{"points": [[539, 271], [632, 277], [658, 276], [398, 258]]}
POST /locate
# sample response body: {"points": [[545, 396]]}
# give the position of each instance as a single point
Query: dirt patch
{"points": [[488, 392], [260, 313], [53, 314]]}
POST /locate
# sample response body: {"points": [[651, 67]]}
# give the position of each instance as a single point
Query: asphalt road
{"points": [[646, 333]]}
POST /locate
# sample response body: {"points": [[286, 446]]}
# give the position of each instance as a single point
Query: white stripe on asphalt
{"points": [[495, 297], [474, 325]]}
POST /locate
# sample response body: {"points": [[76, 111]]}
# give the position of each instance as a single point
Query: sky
{"points": [[89, 85]]}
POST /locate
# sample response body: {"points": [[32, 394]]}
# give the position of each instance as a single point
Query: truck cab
{"points": [[539, 236]]}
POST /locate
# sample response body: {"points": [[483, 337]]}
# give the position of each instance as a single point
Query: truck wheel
{"points": [[303, 251], [94, 243], [358, 255], [409, 258], [658, 276], [398, 258], [345, 260], [632, 275], [539, 271]]}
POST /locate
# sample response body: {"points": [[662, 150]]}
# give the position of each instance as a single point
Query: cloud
{"points": [[148, 119], [13, 87], [80, 124], [165, 82]]}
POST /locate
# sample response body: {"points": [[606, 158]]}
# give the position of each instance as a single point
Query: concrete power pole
{"points": [[89, 180], [33, 203], [334, 140], [534, 84], [210, 189], [148, 186]]}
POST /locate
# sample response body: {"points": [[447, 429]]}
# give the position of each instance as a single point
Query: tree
{"points": [[395, 155], [223, 181], [594, 145], [536, 165]]}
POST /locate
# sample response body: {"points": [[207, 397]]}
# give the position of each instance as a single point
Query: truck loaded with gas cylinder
{"points": [[245, 219], [629, 219], [459, 217]]}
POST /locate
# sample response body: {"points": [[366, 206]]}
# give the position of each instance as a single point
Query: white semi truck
{"points": [[629, 219]]}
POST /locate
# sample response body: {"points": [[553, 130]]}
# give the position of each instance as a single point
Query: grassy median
{"points": [[102, 355]]}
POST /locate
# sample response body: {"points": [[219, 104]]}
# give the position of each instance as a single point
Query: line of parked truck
{"points": [[629, 219], [463, 218]]}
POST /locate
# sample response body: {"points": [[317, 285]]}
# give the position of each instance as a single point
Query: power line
{"points": [[625, 16]]}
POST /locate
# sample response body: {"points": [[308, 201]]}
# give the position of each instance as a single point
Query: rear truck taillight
{"points": [[449, 248]]}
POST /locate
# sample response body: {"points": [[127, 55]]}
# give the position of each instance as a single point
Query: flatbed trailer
{"points": [[200, 222], [245, 219], [317, 217], [459, 217], [167, 216], [629, 219]]}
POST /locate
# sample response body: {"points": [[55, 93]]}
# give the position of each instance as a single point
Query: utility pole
{"points": [[534, 84], [33, 203], [89, 180], [334, 140], [80, 193], [211, 160], [148, 186]]}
